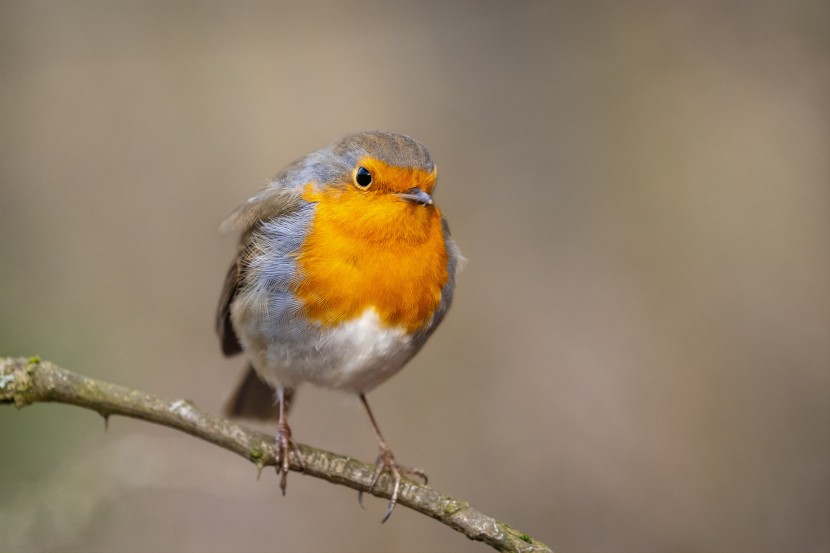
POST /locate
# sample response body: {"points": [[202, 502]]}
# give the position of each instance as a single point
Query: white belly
{"points": [[355, 356]]}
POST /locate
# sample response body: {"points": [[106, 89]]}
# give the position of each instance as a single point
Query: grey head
{"points": [[335, 164]]}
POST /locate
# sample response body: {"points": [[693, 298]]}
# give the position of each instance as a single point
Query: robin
{"points": [[345, 267]]}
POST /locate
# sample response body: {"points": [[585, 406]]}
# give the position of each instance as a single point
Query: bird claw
{"points": [[285, 444], [386, 463]]}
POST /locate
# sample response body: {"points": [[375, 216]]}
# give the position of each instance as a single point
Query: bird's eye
{"points": [[363, 178]]}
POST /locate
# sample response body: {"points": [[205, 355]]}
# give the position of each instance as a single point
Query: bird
{"points": [[344, 268]]}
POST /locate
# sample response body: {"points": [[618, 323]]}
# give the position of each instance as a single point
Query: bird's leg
{"points": [[386, 462], [285, 443]]}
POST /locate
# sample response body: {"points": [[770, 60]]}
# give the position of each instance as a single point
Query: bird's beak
{"points": [[417, 196]]}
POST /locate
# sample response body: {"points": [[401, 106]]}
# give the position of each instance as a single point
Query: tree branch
{"points": [[26, 381]]}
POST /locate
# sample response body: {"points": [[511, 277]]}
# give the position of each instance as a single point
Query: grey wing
{"points": [[224, 326], [454, 261], [273, 202]]}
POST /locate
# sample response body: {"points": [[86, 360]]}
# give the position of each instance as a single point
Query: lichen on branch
{"points": [[26, 381]]}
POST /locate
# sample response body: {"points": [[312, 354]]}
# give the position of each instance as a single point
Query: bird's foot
{"points": [[386, 463], [285, 445]]}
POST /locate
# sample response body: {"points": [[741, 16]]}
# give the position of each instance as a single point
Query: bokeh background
{"points": [[638, 358]]}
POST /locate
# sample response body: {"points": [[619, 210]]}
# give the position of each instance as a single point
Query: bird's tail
{"points": [[254, 399]]}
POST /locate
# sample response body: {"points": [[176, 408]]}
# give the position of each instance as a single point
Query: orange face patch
{"points": [[390, 178], [372, 249]]}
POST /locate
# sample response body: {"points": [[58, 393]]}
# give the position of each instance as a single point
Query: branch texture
{"points": [[26, 381]]}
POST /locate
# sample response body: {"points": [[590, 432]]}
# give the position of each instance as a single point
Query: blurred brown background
{"points": [[637, 358]]}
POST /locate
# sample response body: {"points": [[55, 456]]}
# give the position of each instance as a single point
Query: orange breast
{"points": [[371, 250]]}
